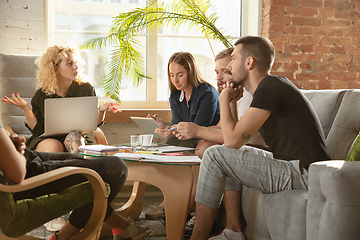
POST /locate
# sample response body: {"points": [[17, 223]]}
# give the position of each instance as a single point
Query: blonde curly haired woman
{"points": [[58, 76]]}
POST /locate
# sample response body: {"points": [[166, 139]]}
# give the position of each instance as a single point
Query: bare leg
{"points": [[50, 145], [202, 146], [73, 141], [115, 220], [67, 231], [232, 200], [204, 220]]}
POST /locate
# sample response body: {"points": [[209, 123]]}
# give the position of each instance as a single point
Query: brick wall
{"points": [[22, 27], [317, 41]]}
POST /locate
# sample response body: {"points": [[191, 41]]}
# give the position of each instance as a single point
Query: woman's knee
{"points": [[115, 166], [202, 146], [50, 145], [72, 141]]}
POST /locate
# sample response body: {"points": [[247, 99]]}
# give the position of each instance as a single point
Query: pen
{"points": [[172, 129]]}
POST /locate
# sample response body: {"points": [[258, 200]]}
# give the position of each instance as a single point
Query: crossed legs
{"points": [[71, 143], [224, 169]]}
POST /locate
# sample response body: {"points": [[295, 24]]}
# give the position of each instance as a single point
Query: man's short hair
{"points": [[260, 48], [224, 53]]}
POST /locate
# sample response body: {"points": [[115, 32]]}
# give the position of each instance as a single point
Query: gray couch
{"points": [[330, 209]]}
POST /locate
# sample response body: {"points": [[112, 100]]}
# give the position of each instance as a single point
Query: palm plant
{"points": [[126, 61]]}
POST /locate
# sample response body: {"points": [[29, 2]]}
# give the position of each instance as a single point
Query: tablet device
{"points": [[148, 125], [63, 115]]}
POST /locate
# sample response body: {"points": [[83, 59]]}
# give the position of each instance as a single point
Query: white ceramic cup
{"points": [[146, 139]]}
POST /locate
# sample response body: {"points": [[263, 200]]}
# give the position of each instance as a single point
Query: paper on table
{"points": [[159, 158], [170, 149], [98, 148]]}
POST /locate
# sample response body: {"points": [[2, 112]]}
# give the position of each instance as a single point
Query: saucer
{"points": [[152, 145]]}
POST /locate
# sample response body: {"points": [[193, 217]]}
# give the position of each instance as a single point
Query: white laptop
{"points": [[148, 125], [63, 115]]}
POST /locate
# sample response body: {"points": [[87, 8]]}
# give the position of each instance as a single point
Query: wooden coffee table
{"points": [[174, 180]]}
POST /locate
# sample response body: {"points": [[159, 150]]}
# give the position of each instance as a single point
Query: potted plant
{"points": [[126, 59]]}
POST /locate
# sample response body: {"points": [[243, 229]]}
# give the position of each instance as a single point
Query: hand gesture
{"points": [[165, 132], [186, 130], [157, 120], [19, 142], [16, 101], [109, 107]]}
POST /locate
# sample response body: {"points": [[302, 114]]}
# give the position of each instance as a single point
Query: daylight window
{"points": [[76, 21]]}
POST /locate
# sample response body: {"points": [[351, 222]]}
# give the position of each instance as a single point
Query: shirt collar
{"points": [[182, 95]]}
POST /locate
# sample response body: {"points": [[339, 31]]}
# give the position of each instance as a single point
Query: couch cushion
{"points": [[346, 125], [326, 104], [279, 216], [333, 206], [17, 74]]}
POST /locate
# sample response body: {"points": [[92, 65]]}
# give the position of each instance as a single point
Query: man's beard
{"points": [[243, 76]]}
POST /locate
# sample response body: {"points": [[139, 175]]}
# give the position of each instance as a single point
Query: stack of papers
{"points": [[98, 149], [159, 158], [166, 149]]}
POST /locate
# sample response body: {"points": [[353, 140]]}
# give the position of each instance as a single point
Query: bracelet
{"points": [[100, 110]]}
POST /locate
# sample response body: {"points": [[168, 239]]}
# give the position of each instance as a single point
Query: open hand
{"points": [[109, 107], [164, 132], [16, 101]]}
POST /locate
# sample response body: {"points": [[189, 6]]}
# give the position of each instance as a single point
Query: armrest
{"points": [[97, 184], [100, 137], [333, 206]]}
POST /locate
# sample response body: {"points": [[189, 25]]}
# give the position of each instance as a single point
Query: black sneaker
{"points": [[189, 227]]}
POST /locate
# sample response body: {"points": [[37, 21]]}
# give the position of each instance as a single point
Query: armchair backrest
{"points": [[17, 74]]}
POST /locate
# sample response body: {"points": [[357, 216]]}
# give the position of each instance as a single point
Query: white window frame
{"points": [[251, 24]]}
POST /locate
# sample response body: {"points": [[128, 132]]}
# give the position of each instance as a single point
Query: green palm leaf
{"points": [[126, 61]]}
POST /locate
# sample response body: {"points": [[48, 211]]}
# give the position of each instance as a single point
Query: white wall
{"points": [[22, 27]]}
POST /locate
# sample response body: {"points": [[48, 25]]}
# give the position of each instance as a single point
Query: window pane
{"points": [[78, 21], [171, 41]]}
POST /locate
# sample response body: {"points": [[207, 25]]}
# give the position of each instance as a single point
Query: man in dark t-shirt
{"points": [[288, 125]]}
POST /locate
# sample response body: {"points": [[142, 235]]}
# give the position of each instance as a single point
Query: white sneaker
{"points": [[133, 231], [222, 236], [55, 224]]}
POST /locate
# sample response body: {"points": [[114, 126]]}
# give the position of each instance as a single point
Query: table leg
{"points": [[177, 198], [175, 182]]}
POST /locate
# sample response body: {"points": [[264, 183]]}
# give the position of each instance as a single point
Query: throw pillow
{"points": [[354, 153]]}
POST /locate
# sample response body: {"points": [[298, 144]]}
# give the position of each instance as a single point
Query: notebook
{"points": [[63, 115], [148, 125]]}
